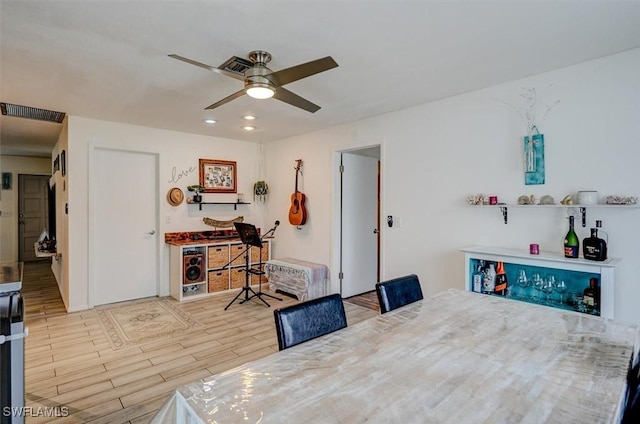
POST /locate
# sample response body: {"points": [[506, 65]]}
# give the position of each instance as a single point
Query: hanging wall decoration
{"points": [[6, 180], [260, 191], [534, 158], [260, 188], [534, 140]]}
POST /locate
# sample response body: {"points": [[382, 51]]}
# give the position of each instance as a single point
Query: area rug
{"points": [[141, 322]]}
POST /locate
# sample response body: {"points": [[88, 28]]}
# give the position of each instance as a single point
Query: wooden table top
{"points": [[457, 357]]}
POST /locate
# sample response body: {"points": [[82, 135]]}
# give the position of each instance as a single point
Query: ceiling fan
{"points": [[261, 82]]}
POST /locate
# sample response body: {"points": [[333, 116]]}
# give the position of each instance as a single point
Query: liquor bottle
{"points": [[571, 242], [594, 248], [591, 295], [489, 283], [501, 280], [477, 278]]}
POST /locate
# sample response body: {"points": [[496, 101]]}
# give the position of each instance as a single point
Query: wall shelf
{"points": [[235, 204], [504, 208]]}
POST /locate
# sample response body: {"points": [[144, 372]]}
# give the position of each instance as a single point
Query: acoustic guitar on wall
{"points": [[297, 212]]}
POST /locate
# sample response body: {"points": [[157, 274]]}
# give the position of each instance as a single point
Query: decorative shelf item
{"points": [[197, 189], [621, 200], [222, 224]]}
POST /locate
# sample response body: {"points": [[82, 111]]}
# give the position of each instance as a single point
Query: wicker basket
{"points": [[255, 253], [218, 280], [237, 278], [218, 256], [237, 249]]}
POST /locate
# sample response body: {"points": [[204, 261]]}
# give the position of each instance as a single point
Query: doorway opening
{"points": [[34, 214]]}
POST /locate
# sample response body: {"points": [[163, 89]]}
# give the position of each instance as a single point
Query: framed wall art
{"points": [[6, 180], [218, 176], [63, 163], [56, 164]]}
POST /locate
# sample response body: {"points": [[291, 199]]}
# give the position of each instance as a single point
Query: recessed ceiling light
{"points": [[249, 117], [209, 121], [248, 128]]}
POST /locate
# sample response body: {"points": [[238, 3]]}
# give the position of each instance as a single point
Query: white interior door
{"points": [[124, 226], [359, 212]]}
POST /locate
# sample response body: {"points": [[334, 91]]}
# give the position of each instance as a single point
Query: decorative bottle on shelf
{"points": [[571, 242], [489, 283], [591, 295], [501, 280], [477, 278], [594, 248]]}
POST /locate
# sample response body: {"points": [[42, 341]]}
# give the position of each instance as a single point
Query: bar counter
{"points": [[456, 357]]}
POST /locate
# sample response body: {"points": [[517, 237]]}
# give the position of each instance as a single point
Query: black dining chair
{"points": [[304, 321], [398, 292], [631, 413]]}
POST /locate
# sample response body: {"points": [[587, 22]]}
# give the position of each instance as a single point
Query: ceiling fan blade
{"points": [[207, 67], [287, 96], [226, 99], [294, 73]]}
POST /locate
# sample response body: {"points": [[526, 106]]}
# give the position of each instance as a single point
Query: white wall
{"points": [[60, 265], [178, 155], [9, 247], [436, 154]]}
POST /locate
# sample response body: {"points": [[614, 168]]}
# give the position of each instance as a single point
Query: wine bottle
{"points": [[571, 242], [501, 280], [477, 278]]}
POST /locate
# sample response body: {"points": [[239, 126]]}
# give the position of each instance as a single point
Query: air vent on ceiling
{"points": [[29, 112], [236, 64]]}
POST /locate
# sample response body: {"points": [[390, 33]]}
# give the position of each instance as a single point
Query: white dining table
{"points": [[456, 357]]}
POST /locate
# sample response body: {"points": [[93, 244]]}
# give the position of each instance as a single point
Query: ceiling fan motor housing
{"points": [[257, 75]]}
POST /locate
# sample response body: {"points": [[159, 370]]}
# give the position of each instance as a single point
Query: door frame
{"points": [[91, 206], [336, 245]]}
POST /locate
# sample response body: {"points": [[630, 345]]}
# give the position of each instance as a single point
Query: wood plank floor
{"points": [[69, 362], [367, 300]]}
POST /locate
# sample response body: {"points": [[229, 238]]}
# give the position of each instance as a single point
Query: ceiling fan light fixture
{"points": [[260, 91]]}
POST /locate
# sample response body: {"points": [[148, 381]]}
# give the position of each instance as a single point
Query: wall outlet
{"points": [[6, 214]]}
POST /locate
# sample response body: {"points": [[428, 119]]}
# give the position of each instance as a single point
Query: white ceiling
{"points": [[107, 59]]}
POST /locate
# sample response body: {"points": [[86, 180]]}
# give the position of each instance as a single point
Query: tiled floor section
{"points": [[69, 362]]}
